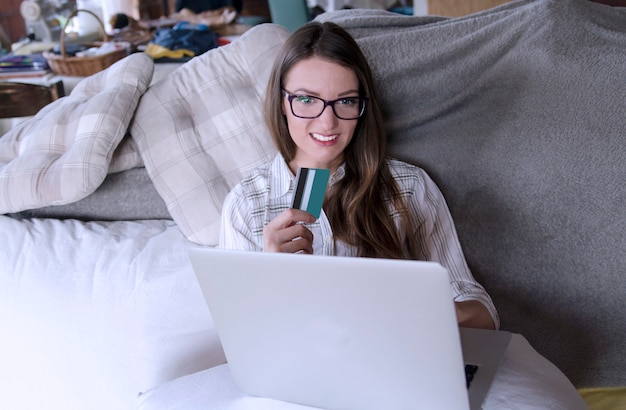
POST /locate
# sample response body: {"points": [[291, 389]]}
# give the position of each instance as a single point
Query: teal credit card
{"points": [[310, 190]]}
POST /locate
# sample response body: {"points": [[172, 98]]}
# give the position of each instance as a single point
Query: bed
{"points": [[516, 112]]}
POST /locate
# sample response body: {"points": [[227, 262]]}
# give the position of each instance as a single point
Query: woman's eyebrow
{"points": [[314, 94], [349, 92]]}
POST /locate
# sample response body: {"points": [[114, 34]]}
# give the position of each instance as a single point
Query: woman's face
{"points": [[320, 141]]}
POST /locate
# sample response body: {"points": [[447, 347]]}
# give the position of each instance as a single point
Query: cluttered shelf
{"points": [[78, 25], [74, 57], [84, 37], [169, 41], [180, 36]]}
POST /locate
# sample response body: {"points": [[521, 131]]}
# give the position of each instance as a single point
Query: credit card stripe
{"points": [[297, 198], [310, 178]]}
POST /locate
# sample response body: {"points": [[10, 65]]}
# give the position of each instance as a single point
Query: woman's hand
{"points": [[473, 313], [286, 234]]}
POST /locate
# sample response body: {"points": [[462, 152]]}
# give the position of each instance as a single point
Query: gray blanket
{"points": [[518, 114]]}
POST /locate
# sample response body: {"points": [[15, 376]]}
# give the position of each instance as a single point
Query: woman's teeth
{"points": [[324, 138]]}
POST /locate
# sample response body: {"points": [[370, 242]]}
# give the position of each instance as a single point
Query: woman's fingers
{"points": [[287, 234]]}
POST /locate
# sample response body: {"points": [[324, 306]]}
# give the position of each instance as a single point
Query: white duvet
{"points": [[94, 313], [525, 381]]}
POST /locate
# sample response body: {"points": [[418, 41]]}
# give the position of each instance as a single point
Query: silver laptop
{"points": [[344, 333]]}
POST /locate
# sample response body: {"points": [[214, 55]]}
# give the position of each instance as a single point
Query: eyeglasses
{"points": [[307, 106]]}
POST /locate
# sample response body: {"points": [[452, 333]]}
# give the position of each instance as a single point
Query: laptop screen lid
{"points": [[335, 332]]}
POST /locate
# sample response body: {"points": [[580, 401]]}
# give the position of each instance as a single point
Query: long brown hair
{"points": [[356, 206]]}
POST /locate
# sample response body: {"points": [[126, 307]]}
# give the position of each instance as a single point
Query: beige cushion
{"points": [[201, 129], [62, 154]]}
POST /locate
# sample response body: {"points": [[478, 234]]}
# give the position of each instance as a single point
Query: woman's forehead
{"points": [[318, 74]]}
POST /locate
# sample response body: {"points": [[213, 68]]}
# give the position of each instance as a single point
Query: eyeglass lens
{"points": [[307, 106]]}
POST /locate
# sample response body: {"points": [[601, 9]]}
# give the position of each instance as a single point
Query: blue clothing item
{"points": [[197, 41]]}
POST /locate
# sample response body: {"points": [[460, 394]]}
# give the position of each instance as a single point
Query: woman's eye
{"points": [[349, 101], [304, 99]]}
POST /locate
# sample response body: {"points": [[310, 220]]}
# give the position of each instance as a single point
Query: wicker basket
{"points": [[63, 64]]}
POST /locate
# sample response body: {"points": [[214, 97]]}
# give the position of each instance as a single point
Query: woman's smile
{"points": [[324, 138]]}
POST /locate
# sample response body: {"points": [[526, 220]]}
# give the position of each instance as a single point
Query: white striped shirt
{"points": [[267, 192]]}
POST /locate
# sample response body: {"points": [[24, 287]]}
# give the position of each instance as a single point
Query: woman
{"points": [[322, 111]]}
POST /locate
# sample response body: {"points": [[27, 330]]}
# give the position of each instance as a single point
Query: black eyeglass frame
{"points": [[327, 103]]}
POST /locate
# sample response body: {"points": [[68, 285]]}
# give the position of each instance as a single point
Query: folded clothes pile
{"points": [[182, 42]]}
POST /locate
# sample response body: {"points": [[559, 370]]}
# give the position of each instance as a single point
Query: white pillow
{"points": [[63, 153], [201, 129]]}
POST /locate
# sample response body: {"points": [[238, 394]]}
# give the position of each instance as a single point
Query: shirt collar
{"points": [[338, 175]]}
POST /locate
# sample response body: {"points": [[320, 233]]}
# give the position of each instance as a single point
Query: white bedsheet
{"points": [[525, 380], [94, 313]]}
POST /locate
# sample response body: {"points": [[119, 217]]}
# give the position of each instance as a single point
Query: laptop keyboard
{"points": [[470, 372]]}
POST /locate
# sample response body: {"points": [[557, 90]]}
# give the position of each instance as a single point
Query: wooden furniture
{"points": [[457, 8], [12, 21], [23, 100]]}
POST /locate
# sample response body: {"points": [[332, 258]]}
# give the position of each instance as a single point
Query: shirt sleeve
{"points": [[235, 232], [438, 241]]}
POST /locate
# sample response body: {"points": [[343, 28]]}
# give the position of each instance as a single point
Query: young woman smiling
{"points": [[322, 111]]}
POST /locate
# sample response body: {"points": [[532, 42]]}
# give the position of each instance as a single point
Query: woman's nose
{"points": [[328, 116]]}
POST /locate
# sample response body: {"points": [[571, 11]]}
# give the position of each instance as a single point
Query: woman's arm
{"points": [[438, 241], [472, 313]]}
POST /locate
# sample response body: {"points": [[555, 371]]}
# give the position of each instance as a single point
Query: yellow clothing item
{"points": [[157, 51], [604, 398]]}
